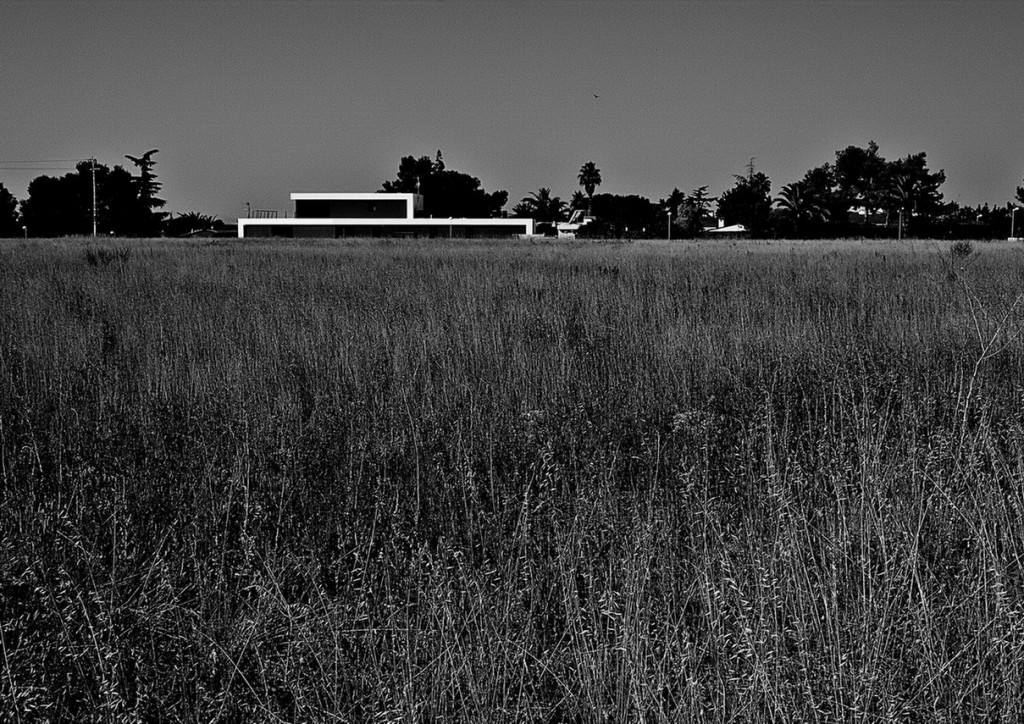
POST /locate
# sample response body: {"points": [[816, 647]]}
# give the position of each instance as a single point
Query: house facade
{"points": [[347, 215]]}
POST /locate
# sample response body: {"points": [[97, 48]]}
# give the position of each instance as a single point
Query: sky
{"points": [[249, 101]]}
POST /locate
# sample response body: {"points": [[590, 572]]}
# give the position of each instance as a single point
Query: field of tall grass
{"points": [[378, 481]]}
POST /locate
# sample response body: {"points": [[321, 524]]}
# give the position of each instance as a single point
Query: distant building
{"points": [[568, 229], [864, 215], [341, 215], [733, 231]]}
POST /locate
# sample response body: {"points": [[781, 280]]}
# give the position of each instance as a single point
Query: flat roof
{"points": [[357, 196]]}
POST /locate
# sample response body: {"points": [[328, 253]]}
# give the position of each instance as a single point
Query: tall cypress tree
{"points": [[150, 221]]}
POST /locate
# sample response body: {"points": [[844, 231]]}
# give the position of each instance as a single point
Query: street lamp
{"points": [[92, 161], [1013, 225], [669, 212]]}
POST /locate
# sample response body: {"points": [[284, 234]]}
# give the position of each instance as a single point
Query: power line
{"points": [[46, 160], [42, 164]]}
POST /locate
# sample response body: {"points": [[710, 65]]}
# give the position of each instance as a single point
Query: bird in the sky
{"points": [[596, 95]]}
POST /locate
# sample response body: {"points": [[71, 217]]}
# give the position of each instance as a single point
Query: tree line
{"points": [[111, 200], [860, 193]]}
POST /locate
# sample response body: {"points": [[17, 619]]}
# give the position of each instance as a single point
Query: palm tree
{"points": [[902, 197], [190, 223], [541, 206], [798, 202], [590, 179], [578, 200]]}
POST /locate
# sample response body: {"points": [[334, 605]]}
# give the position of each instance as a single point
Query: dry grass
{"points": [[403, 482]]}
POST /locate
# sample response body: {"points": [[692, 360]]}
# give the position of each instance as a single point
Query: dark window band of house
{"points": [[350, 209]]}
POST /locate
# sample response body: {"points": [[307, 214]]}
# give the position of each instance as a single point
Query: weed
{"points": [[502, 482], [961, 249], [102, 256]]}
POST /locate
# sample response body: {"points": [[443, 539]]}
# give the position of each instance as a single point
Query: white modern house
{"points": [[341, 215]]}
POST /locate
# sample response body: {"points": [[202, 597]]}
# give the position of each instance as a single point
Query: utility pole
{"points": [[92, 161]]}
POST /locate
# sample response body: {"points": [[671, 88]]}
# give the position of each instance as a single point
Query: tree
{"points": [[413, 172], [820, 183], [860, 175], [862, 178], [60, 206], [191, 223], [541, 206], [120, 211], [990, 222], [902, 190], [799, 207], [692, 214], [590, 179], [670, 209], [622, 216], [912, 187], [578, 201], [1020, 194], [673, 203], [63, 206], [446, 193], [148, 221], [748, 202], [10, 224]]}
